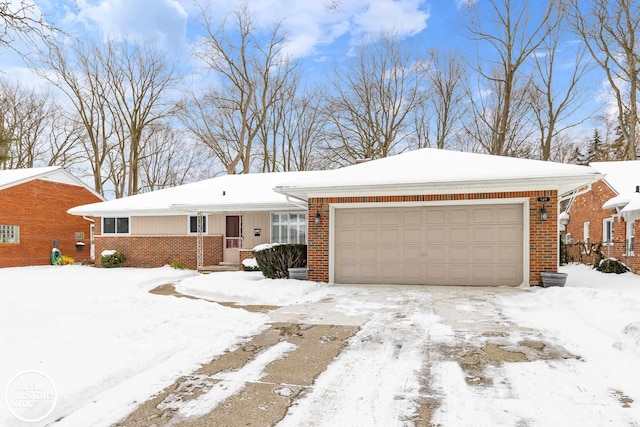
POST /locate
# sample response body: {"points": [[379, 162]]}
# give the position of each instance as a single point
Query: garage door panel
{"points": [[459, 235], [439, 245], [482, 234], [390, 235], [390, 254], [436, 236], [435, 217], [459, 216], [412, 217], [509, 234], [367, 255], [510, 214], [483, 215], [368, 236]]}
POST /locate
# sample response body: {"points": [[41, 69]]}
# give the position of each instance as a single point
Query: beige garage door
{"points": [[431, 245]]}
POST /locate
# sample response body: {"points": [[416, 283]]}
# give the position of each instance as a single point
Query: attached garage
{"points": [[440, 244], [436, 217]]}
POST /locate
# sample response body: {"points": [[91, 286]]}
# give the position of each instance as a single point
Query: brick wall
{"points": [[245, 254], [40, 209], [156, 251], [588, 207], [543, 239]]}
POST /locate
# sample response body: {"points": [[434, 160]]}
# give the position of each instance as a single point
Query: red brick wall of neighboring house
{"points": [[543, 234], [156, 251], [588, 207], [40, 209]]}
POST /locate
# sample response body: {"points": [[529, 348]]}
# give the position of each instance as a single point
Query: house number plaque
{"points": [[544, 199]]}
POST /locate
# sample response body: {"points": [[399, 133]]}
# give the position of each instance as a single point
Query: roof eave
{"points": [[399, 189]]}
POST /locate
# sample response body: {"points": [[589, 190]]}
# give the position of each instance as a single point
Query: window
{"points": [[585, 236], [289, 227], [630, 238], [193, 224], [115, 225], [607, 231], [9, 234]]}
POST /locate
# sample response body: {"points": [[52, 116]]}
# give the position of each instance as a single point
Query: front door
{"points": [[233, 238]]}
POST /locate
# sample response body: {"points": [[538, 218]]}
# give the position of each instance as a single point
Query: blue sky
{"points": [[318, 32]]}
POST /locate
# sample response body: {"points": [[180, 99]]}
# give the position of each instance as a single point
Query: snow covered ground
{"points": [[108, 345]]}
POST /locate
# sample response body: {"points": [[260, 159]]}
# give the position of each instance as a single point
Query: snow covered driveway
{"points": [[401, 355]]}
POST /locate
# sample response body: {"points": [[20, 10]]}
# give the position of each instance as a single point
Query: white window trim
{"points": [[304, 222], [206, 224], [629, 233], [586, 238], [607, 240], [102, 233]]}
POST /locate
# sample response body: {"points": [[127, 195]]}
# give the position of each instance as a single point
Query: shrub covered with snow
{"points": [[611, 265], [112, 259], [250, 264], [274, 261]]}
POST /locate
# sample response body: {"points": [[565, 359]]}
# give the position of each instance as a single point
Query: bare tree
{"points": [[138, 79], [253, 72], [509, 36], [609, 29], [371, 101], [21, 19], [487, 115], [557, 94], [169, 158], [26, 118], [446, 95], [80, 74]]}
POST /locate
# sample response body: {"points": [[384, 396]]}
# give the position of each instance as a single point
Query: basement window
{"points": [[115, 225], [9, 234]]}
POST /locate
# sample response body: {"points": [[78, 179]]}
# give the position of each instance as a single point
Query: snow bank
{"points": [[105, 342], [244, 287]]}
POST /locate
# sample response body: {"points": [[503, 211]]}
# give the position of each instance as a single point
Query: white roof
{"points": [[622, 176], [443, 171], [227, 193], [12, 177]]}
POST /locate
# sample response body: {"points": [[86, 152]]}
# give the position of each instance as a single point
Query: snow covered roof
{"points": [[227, 193], [12, 177], [442, 171], [622, 176]]}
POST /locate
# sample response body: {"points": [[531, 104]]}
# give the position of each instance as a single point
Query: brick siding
{"points": [[245, 254], [543, 237], [156, 251], [588, 207], [40, 207]]}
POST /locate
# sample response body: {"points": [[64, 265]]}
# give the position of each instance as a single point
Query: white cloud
{"points": [[308, 25], [161, 22], [403, 18]]}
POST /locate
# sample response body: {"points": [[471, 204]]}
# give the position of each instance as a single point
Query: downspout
{"points": [[301, 203]]}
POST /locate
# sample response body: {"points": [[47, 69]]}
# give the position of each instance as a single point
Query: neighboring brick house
{"points": [[34, 218], [423, 217], [603, 218]]}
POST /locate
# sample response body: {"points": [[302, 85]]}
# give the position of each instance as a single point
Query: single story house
{"points": [[34, 218], [205, 223], [603, 218], [422, 217]]}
